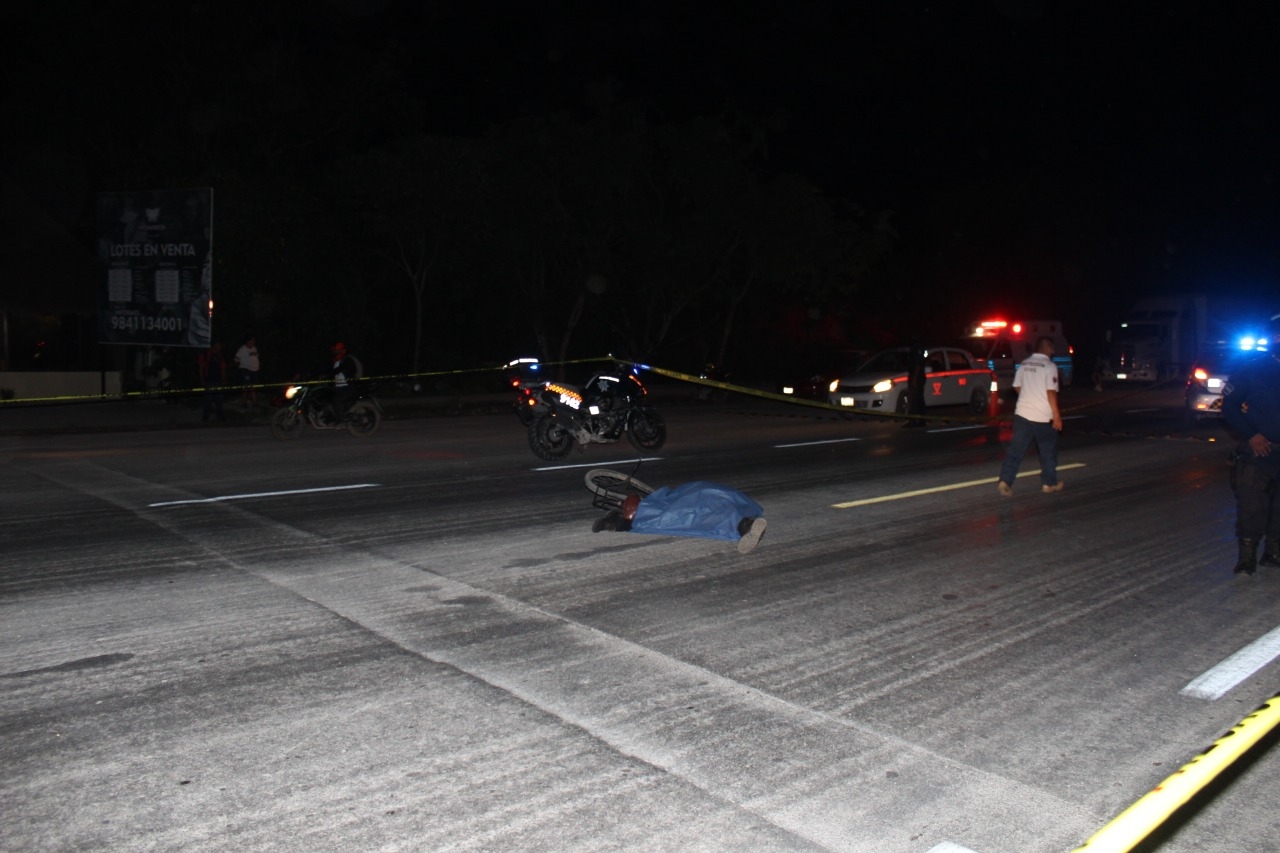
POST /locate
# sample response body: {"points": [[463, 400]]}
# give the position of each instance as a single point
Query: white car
{"points": [[952, 378]]}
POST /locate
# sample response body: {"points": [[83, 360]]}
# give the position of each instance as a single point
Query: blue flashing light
{"points": [[1249, 343]]}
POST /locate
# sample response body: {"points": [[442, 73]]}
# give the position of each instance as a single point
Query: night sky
{"points": [[1029, 146], [1044, 157]]}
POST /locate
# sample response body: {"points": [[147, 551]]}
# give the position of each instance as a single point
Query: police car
{"points": [[1004, 344], [1207, 380], [952, 378]]}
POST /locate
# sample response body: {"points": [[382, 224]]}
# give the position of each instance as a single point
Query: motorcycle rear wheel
{"points": [[363, 419], [288, 424], [611, 488], [646, 430], [548, 439]]}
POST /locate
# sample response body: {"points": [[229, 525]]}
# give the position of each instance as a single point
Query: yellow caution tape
{"points": [[801, 401], [156, 393], [1138, 821], [673, 374]]}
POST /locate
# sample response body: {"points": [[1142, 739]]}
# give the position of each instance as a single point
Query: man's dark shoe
{"points": [[1270, 555], [605, 522], [1247, 563]]}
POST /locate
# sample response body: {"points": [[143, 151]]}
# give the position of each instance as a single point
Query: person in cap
{"points": [[700, 509], [1251, 407]]}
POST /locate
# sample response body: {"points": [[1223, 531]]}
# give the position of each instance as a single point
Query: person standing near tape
{"points": [[917, 359], [248, 366], [1251, 406], [1036, 418], [213, 373]]}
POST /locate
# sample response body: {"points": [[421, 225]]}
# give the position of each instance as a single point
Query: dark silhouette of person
{"points": [[916, 362], [213, 373]]}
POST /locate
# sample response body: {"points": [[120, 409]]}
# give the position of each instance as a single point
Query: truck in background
{"points": [[1004, 344], [1161, 337]]}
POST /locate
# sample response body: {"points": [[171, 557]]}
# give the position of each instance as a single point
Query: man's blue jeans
{"points": [[1046, 439]]}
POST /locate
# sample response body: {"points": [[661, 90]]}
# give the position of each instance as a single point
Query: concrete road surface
{"points": [[213, 640]]}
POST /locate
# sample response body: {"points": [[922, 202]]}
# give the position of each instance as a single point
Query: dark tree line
{"points": [[342, 212]]}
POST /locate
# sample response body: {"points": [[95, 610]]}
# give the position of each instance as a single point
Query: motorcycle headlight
{"points": [[882, 386], [292, 391]]}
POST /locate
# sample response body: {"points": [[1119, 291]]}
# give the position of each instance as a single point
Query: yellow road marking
{"points": [[1138, 821], [935, 489]]}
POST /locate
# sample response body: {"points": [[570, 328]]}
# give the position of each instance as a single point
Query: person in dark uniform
{"points": [[1251, 406], [917, 358]]}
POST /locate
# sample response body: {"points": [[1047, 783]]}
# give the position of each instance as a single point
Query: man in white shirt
{"points": [[1035, 418]]}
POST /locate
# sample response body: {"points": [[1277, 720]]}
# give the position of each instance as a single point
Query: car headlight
{"points": [[882, 386], [835, 384]]}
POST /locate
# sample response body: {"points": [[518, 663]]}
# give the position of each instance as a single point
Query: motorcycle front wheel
{"points": [[548, 439], [363, 419], [646, 429], [288, 423]]}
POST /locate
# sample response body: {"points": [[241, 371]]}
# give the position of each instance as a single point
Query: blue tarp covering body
{"points": [[702, 509]]}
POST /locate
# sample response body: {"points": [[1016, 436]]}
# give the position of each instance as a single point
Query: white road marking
{"points": [[959, 428], [1215, 682], [949, 847], [265, 495], [811, 443], [947, 488], [599, 464]]}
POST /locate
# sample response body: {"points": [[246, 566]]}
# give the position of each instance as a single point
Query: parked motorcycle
{"points": [[609, 406], [312, 405]]}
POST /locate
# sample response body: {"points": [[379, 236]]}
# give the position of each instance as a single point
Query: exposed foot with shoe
{"points": [[751, 529], [613, 521]]}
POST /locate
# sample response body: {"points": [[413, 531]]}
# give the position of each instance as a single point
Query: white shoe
{"points": [[751, 538]]}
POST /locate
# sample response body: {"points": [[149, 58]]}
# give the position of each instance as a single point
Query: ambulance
{"points": [[1004, 344]]}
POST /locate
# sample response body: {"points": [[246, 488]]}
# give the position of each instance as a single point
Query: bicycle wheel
{"points": [[612, 487]]}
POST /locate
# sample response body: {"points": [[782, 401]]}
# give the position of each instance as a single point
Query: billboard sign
{"points": [[156, 252]]}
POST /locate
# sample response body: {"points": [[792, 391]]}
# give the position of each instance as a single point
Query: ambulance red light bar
{"points": [[991, 328]]}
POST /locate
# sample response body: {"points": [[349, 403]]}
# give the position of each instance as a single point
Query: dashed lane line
{"points": [[915, 493]]}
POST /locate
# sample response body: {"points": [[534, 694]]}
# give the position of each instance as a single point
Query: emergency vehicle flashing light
{"points": [[991, 328], [1251, 344]]}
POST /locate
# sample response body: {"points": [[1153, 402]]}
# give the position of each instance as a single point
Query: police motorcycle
{"points": [[609, 406], [311, 404]]}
